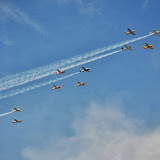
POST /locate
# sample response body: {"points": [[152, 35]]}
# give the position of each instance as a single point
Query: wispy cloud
{"points": [[102, 133], [145, 3], [89, 9], [6, 41], [10, 11], [85, 8]]}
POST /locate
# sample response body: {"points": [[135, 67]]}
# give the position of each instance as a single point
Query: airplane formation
{"points": [[16, 110], [88, 70]]}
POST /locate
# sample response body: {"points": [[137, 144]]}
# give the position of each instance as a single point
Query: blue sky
{"points": [[115, 115]]}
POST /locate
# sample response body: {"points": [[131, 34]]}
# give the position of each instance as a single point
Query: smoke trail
{"points": [[19, 91], [114, 46], [1, 115], [44, 71]]}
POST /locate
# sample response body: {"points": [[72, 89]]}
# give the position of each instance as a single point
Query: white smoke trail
{"points": [[1, 115], [91, 60], [44, 71], [20, 91]]}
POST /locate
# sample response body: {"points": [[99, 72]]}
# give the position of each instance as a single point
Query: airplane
{"points": [[16, 121], [59, 72], [84, 70], [130, 32], [147, 46], [155, 32], [80, 84], [16, 110], [127, 47], [55, 87]]}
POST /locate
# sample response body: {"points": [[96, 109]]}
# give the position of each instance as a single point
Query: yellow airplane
{"points": [[147, 46]]}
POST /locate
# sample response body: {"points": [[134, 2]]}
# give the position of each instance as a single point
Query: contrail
{"points": [[19, 91], [47, 70], [1, 115]]}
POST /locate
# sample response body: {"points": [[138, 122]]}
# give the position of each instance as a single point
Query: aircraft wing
{"points": [[54, 85], [147, 44], [15, 120], [15, 108], [83, 68], [129, 30], [79, 82], [58, 70]]}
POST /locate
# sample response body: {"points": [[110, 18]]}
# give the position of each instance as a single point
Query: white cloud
{"points": [[9, 11], [101, 133]]}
